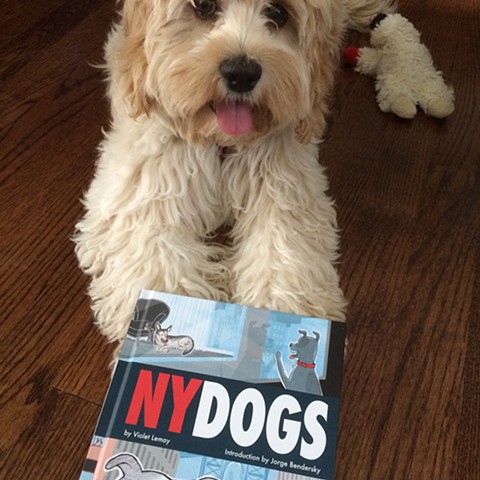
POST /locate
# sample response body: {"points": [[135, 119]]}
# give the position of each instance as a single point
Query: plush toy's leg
{"points": [[367, 61], [404, 107], [285, 238], [438, 107], [149, 210]]}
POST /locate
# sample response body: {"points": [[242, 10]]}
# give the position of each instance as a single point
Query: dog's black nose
{"points": [[241, 74]]}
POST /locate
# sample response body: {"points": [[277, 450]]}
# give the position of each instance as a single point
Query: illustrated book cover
{"points": [[218, 391]]}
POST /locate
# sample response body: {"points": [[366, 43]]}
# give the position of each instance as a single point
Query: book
{"points": [[219, 391]]}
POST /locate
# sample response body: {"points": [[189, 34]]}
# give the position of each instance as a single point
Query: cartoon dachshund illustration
{"points": [[303, 377], [131, 469]]}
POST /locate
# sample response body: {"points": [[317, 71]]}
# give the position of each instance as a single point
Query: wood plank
{"points": [[54, 441]]}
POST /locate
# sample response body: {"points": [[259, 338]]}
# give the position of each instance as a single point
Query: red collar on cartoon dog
{"points": [[306, 365]]}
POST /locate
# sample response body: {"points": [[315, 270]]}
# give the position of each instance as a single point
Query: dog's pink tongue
{"points": [[234, 118]]}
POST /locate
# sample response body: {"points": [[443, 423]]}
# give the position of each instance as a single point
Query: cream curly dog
{"points": [[217, 109]]}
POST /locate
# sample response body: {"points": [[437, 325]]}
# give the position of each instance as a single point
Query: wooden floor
{"points": [[408, 196]]}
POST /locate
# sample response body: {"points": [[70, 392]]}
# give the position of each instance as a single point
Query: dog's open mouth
{"points": [[234, 118]]}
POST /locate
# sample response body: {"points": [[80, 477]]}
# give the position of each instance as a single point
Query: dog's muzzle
{"points": [[241, 75]]}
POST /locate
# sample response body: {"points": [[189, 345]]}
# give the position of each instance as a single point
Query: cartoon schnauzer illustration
{"points": [[302, 377], [131, 469]]}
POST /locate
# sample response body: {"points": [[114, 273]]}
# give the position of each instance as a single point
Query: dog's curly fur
{"points": [[160, 187]]}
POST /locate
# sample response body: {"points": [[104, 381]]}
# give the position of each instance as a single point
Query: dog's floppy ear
{"points": [[130, 56], [321, 43]]}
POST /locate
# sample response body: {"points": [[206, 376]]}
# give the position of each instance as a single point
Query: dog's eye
{"points": [[205, 9], [277, 14]]}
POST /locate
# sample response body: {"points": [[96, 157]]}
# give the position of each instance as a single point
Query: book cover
{"points": [[218, 391]]}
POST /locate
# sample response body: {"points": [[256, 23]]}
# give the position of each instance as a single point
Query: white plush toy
{"points": [[404, 69]]}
